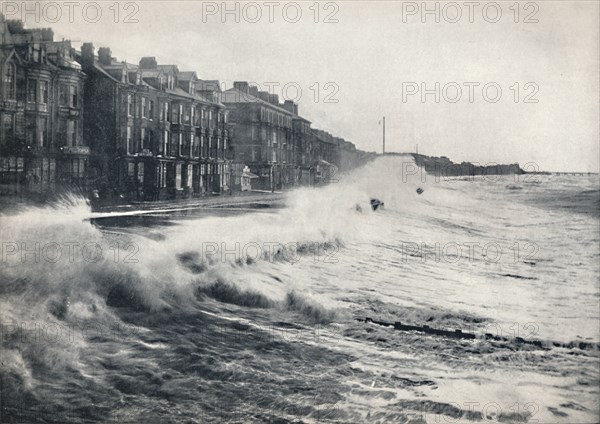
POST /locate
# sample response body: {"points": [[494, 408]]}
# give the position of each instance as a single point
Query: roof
{"points": [[151, 73], [233, 95], [324, 162], [168, 68], [188, 75], [182, 93], [208, 85]]}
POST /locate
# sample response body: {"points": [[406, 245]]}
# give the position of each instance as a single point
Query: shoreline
{"points": [[253, 200], [249, 200]]}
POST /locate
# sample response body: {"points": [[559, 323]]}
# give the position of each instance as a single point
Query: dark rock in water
{"points": [[420, 190], [557, 412], [376, 203]]}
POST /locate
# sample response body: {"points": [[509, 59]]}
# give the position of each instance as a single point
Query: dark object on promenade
{"points": [[420, 190], [376, 203]]}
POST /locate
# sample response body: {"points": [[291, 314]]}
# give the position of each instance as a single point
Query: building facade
{"points": [[113, 130], [262, 137], [42, 148], [155, 133]]}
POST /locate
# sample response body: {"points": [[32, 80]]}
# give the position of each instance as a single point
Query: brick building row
{"points": [[145, 131]]}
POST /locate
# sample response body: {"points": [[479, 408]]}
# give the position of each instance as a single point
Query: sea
{"points": [[286, 314]]}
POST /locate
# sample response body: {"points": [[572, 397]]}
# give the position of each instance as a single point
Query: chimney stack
{"points": [[290, 106], [87, 55], [104, 56], [263, 95], [254, 91], [148, 62], [274, 99], [241, 86]]}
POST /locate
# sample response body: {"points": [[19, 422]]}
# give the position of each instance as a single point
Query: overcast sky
{"points": [[378, 51]]}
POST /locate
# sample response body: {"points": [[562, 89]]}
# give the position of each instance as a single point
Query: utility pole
{"points": [[384, 135]]}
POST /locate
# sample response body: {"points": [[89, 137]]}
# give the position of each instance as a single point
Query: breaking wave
{"points": [[213, 315]]}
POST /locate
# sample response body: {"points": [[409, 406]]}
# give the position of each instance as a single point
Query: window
{"points": [[166, 111], [178, 176], [36, 52], [43, 132], [166, 143], [129, 105], [21, 87], [32, 91], [7, 125], [128, 140], [193, 113], [74, 95], [195, 150], [44, 92], [144, 111], [75, 169], [31, 130], [163, 175], [72, 133], [64, 95], [189, 175], [150, 109], [179, 114], [140, 173], [9, 82], [143, 138], [179, 143]]}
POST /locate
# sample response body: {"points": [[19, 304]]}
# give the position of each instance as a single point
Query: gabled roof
{"points": [[151, 73], [168, 68], [187, 76], [208, 85]]}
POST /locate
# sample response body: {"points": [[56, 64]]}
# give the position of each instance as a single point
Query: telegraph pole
{"points": [[384, 135]]}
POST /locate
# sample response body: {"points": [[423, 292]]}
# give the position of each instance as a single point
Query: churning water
{"points": [[252, 317]]}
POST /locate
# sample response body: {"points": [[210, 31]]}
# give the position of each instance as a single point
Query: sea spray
{"points": [[161, 328]]}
